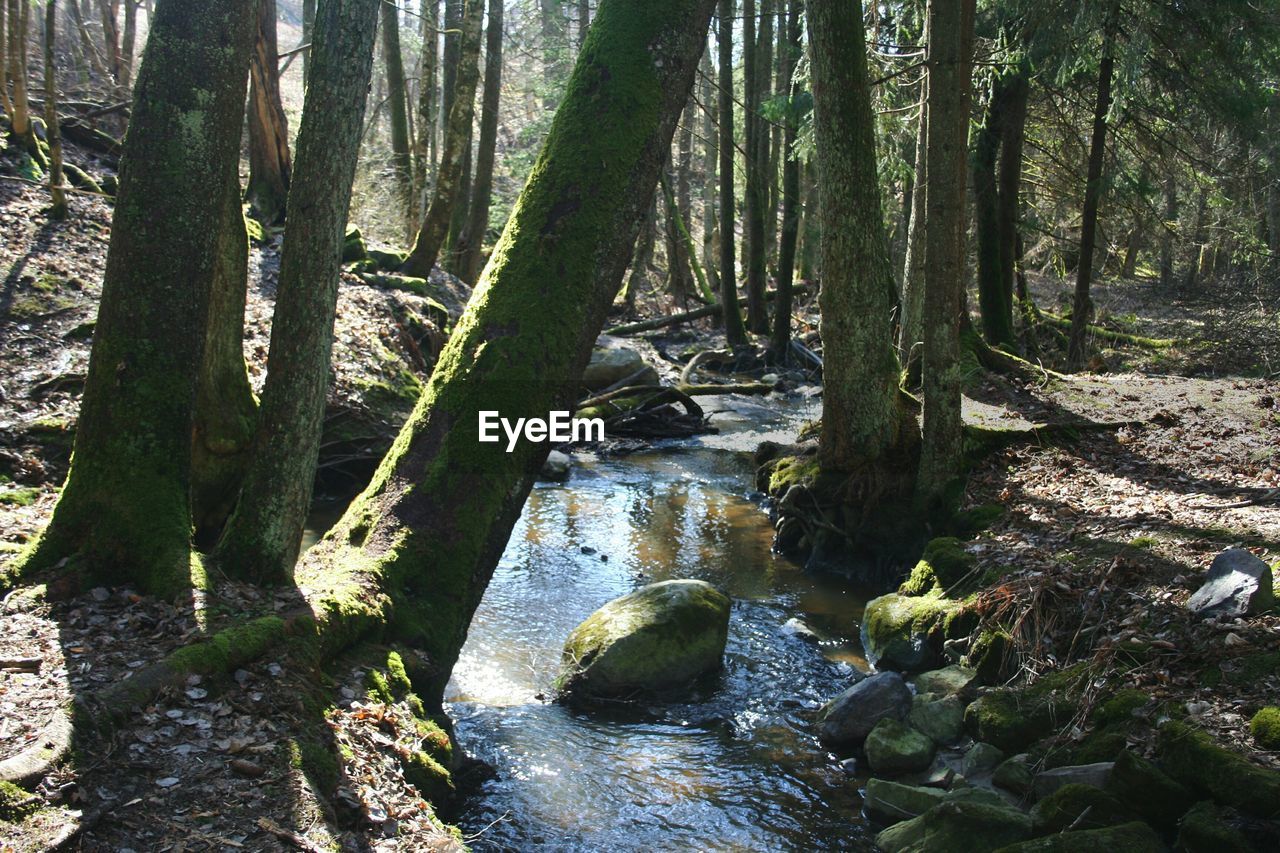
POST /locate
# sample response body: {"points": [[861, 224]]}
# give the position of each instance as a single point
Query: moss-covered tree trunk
{"points": [[790, 49], [457, 143], [950, 81], [430, 527], [734, 330], [861, 416], [262, 538], [482, 189], [397, 108], [53, 133], [269, 161], [124, 515]]}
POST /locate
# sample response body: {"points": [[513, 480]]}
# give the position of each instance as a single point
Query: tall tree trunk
{"points": [[20, 124], [482, 190], [754, 193], [710, 155], [584, 21], [910, 323], [430, 527], [457, 143], [87, 46], [950, 82], [555, 50], [789, 53], [308, 33], [262, 538], [1082, 304], [995, 303], [679, 277], [1195, 249], [397, 108], [58, 195], [110, 36], [428, 108], [124, 515], [810, 225], [269, 161], [861, 417], [1014, 131], [641, 258], [127, 47], [1167, 231], [735, 332], [6, 103]]}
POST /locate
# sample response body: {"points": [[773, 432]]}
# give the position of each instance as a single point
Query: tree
{"points": [[262, 538], [910, 327], [124, 513], [735, 332], [781, 338], [482, 190], [862, 419], [57, 193], [269, 162], [397, 106], [20, 125], [424, 159], [308, 32], [950, 63], [127, 47], [428, 531], [754, 195], [995, 203], [457, 144]]}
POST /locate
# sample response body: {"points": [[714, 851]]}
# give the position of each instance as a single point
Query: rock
{"points": [[958, 827], [944, 566], [948, 681], [556, 468], [1014, 774], [1148, 790], [1133, 837], [894, 747], [388, 260], [660, 637], [1206, 828], [1015, 719], [610, 364], [1238, 584], [794, 627], [353, 247], [849, 718], [907, 632], [941, 720], [894, 801], [1191, 757], [1048, 781], [981, 758], [1075, 806]]}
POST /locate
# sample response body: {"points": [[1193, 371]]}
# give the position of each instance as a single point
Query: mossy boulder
{"points": [[1207, 828], [894, 801], [991, 655], [15, 802], [1148, 790], [1265, 727], [952, 680], [1015, 774], [353, 246], [387, 260], [1132, 837], [957, 827], [907, 632], [611, 364], [940, 720], [656, 639], [1078, 807], [1191, 757], [847, 719], [944, 566], [981, 758], [1013, 719], [894, 747]]}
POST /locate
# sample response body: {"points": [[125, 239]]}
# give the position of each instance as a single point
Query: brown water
{"points": [[735, 768]]}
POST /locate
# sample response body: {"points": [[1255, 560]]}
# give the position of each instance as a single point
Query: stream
{"points": [[733, 768]]}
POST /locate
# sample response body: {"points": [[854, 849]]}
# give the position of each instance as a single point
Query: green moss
{"points": [[387, 260], [907, 632], [1148, 790], [1205, 829], [376, 683], [253, 228], [968, 522], [432, 780], [318, 762], [1078, 807], [945, 567], [1265, 727], [788, 471], [1120, 706], [16, 803], [1132, 837], [227, 649], [1144, 542], [1013, 719], [20, 497], [353, 247], [991, 655], [1191, 757]]}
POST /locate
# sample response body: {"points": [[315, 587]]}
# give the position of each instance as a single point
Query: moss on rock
{"points": [[1132, 837], [894, 747], [1205, 828], [1148, 790], [1076, 806], [907, 632], [1013, 719], [1265, 727], [944, 566], [957, 826], [1191, 757], [16, 803]]}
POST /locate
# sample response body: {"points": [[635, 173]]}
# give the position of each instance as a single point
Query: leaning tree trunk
{"points": [[950, 55], [781, 338], [57, 194], [124, 514], [710, 156], [862, 420], [262, 538], [735, 332], [482, 189], [1082, 304], [429, 529], [269, 162], [457, 144], [397, 106]]}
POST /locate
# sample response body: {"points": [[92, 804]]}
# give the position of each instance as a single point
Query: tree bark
{"points": [[20, 125], [128, 43], [1010, 211], [57, 194], [397, 104], [6, 103], [734, 330], [457, 144], [269, 162], [124, 514], [995, 284], [781, 338], [1082, 304], [950, 81], [308, 33], [754, 193], [1167, 231], [469, 248], [710, 155], [110, 37], [87, 46], [262, 538], [428, 108], [429, 529], [910, 325]]}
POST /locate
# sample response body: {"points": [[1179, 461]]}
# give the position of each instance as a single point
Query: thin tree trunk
{"points": [[6, 103], [124, 515], [679, 278], [429, 529], [127, 47], [910, 327], [262, 538], [1082, 304], [269, 161], [950, 82], [995, 305], [457, 138], [397, 107], [1010, 213], [555, 47], [482, 191], [754, 193], [58, 196], [20, 124], [428, 101], [735, 331], [110, 37], [1167, 231], [308, 33], [789, 52], [87, 46], [584, 21], [709, 157]]}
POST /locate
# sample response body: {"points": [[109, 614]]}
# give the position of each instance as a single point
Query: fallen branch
{"points": [[686, 316], [1110, 334]]}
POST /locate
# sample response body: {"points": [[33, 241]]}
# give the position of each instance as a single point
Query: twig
{"points": [[299, 841]]}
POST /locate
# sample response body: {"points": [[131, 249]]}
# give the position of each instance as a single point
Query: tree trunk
{"points": [[262, 538], [555, 49], [1196, 248], [397, 108], [1014, 129], [1167, 228], [430, 527], [58, 196], [861, 417], [110, 37], [127, 47], [950, 82], [457, 143], [473, 236], [910, 328], [6, 103], [710, 154], [20, 124], [269, 162], [641, 258], [734, 331], [791, 47], [124, 515], [584, 21], [754, 193], [995, 299], [87, 46], [679, 277], [428, 109], [308, 33], [1082, 304]]}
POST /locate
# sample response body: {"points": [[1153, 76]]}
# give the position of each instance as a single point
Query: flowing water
{"points": [[733, 768]]}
